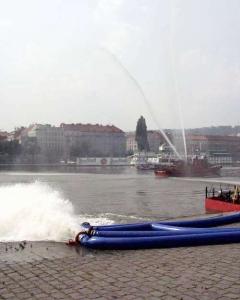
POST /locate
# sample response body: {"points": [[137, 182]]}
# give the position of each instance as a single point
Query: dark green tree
{"points": [[141, 135], [9, 150]]}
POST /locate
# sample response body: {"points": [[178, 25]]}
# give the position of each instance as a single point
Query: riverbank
{"points": [[49, 270], [74, 164]]}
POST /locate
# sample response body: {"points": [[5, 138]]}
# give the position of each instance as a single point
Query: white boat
{"points": [[143, 160]]}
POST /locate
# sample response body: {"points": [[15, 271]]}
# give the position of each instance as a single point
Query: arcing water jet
{"points": [[137, 85], [175, 80]]}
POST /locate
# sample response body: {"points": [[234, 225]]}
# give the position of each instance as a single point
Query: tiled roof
{"points": [[91, 128]]}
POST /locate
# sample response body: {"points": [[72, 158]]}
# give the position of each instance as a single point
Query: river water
{"points": [[50, 204]]}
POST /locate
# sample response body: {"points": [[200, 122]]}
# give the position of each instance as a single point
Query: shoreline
{"points": [[237, 165], [63, 165]]}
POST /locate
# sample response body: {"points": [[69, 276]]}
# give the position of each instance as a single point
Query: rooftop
{"points": [[91, 128]]}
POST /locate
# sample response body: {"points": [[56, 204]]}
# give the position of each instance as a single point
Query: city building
{"points": [[50, 139], [90, 140], [68, 141], [131, 143], [3, 135], [218, 148], [45, 142]]}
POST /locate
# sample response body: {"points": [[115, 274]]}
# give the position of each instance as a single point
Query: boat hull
{"points": [[196, 167], [161, 174], [183, 171], [215, 205]]}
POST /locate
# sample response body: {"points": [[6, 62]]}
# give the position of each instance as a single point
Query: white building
{"points": [[49, 139]]}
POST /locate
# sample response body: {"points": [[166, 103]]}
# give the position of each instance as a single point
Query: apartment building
{"points": [[93, 140], [46, 142]]}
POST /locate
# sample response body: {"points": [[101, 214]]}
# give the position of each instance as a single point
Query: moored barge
{"points": [[224, 200]]}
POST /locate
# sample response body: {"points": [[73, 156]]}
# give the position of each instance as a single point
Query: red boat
{"points": [[222, 201], [161, 173], [194, 167]]}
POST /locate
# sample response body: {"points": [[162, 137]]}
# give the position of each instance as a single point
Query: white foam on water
{"points": [[35, 212]]}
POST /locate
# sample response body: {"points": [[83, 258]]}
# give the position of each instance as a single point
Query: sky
{"points": [[176, 62]]}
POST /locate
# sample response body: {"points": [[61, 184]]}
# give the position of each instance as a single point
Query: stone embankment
{"points": [[48, 270]]}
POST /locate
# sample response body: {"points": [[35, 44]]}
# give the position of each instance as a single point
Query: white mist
{"points": [[35, 212]]}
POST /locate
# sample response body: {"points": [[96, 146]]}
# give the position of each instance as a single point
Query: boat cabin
{"points": [[231, 195]]}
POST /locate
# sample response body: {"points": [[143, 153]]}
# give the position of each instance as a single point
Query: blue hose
{"points": [[128, 243], [161, 234], [199, 223], [149, 233]]}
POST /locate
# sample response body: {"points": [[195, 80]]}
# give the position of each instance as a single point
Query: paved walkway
{"points": [[46, 270]]}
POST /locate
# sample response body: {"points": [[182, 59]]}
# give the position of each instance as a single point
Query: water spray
{"points": [[133, 79], [175, 80], [37, 212]]}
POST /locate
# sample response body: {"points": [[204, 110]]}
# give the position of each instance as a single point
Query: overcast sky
{"points": [[90, 61]]}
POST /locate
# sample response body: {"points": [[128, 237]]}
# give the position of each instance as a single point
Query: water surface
{"points": [[53, 202]]}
